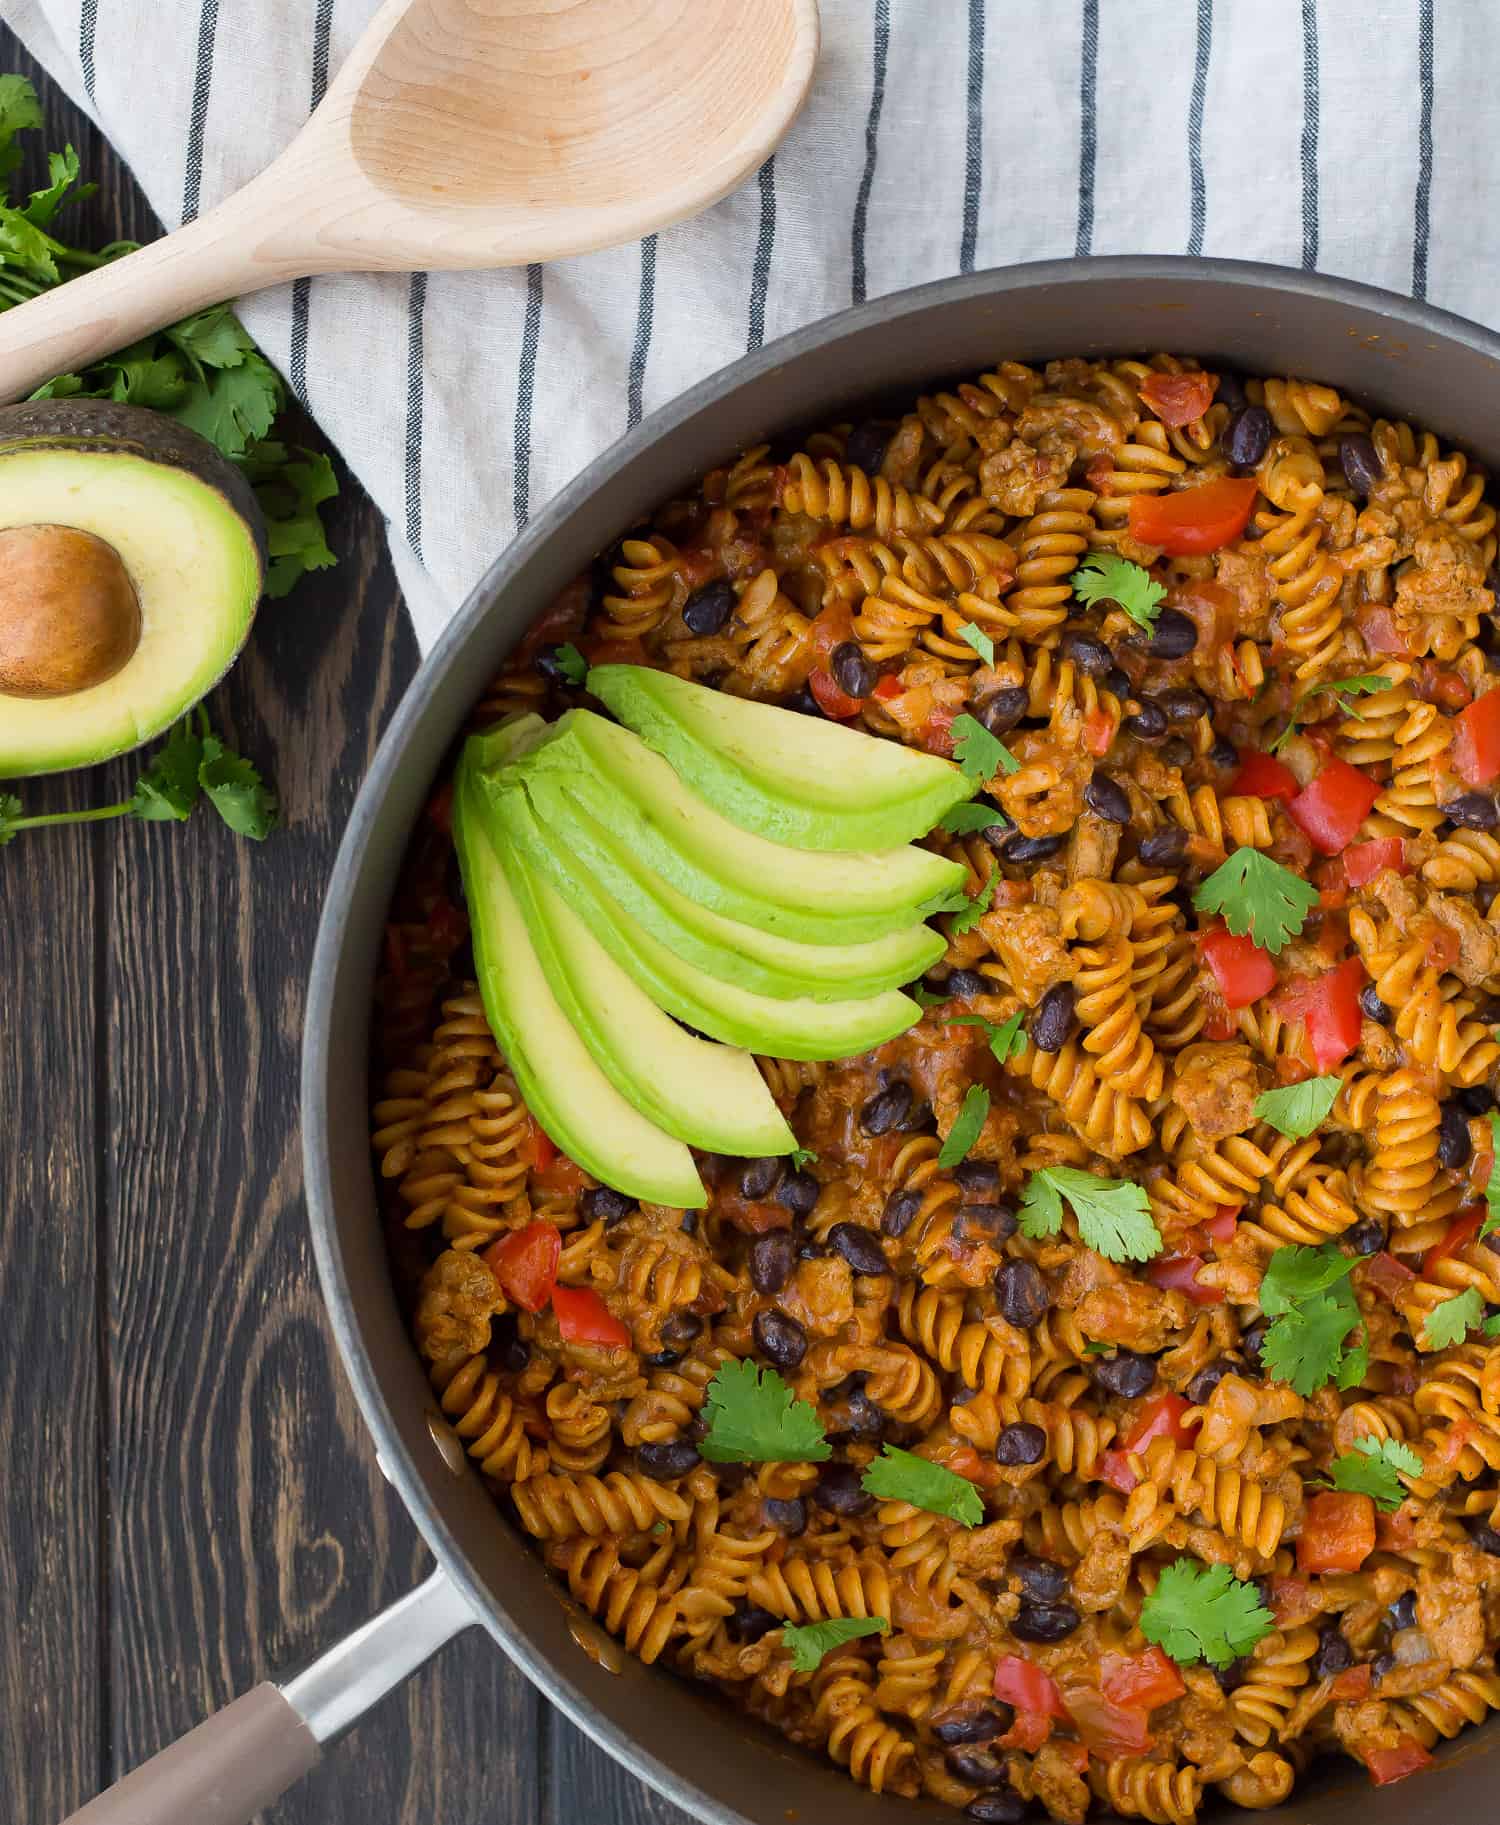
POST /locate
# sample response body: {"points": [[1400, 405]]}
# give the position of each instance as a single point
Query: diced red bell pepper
{"points": [[831, 627], [1029, 1731], [583, 1317], [1028, 1687], [1459, 1234], [1178, 399], [1190, 521], [1140, 1681], [1159, 1418], [890, 686], [1330, 811], [1263, 776], [1388, 1276], [1221, 1225], [560, 1175], [1179, 1274], [937, 732], [1363, 861], [543, 1147], [1387, 1765], [1352, 1683], [1476, 741], [1241, 969], [525, 1263], [1109, 1730], [1330, 1013], [1098, 732], [1380, 629], [1338, 1532], [832, 701]]}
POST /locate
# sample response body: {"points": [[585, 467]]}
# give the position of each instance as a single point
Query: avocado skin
{"points": [[101, 426]]}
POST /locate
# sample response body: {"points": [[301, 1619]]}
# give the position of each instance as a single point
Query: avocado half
{"points": [[132, 556]]}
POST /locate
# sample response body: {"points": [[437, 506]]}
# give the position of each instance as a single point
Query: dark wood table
{"points": [[189, 1502]]}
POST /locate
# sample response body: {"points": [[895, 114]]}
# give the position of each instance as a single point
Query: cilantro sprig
{"points": [[1114, 1215], [973, 814], [810, 1641], [965, 1130], [1365, 685], [1005, 1040], [902, 1476], [1202, 1612], [1492, 1183], [1105, 577], [1451, 1322], [1258, 898], [973, 909], [571, 663], [967, 908], [1299, 1108], [1306, 1294], [754, 1418], [1375, 1468], [973, 635], [192, 763], [800, 1157], [979, 754]]}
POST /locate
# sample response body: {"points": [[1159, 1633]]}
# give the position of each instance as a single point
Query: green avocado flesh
{"points": [[798, 1028], [795, 779], [190, 540], [562, 1085], [797, 894]]}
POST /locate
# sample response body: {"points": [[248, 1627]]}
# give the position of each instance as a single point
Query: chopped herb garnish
{"points": [[1299, 1108], [980, 754], [1258, 898], [1347, 688], [979, 640], [753, 1418], [1492, 1181], [810, 1641], [1374, 1468], [1202, 1612], [973, 814], [802, 1156], [1104, 577], [902, 1476], [1005, 1041], [1114, 1215], [1305, 1292], [974, 909], [571, 663], [1451, 1322], [965, 1130]]}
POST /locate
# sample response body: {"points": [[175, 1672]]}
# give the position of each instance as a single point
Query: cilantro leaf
{"points": [[62, 176], [1114, 1215], [1490, 1327], [925, 997], [1299, 1108], [754, 1419], [290, 493], [980, 754], [951, 899], [10, 817], [1005, 1041], [1296, 1273], [1492, 1183], [235, 790], [1304, 1346], [1105, 577], [233, 407], [1451, 1322], [902, 1476], [974, 909], [965, 1130], [973, 814], [981, 642], [810, 1641], [1355, 1365], [1257, 897], [212, 338], [169, 788], [19, 110], [1363, 686], [1201, 1612], [802, 1156], [572, 664], [1371, 1469]]}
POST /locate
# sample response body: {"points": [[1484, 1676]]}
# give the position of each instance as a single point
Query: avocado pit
{"points": [[69, 614]]}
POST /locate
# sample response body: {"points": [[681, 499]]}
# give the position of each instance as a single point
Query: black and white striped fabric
{"points": [[941, 136]]}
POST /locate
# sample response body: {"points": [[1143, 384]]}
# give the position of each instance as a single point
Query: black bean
{"points": [[1043, 1622], [689, 1223], [1127, 1373], [1039, 1579], [707, 609], [772, 1258], [887, 1108], [681, 1329], [1004, 710], [1149, 722], [1380, 1666], [1223, 754], [1247, 436], [864, 1418], [1492, 1242], [1230, 390], [1372, 1007], [661, 1359], [1232, 1677], [1478, 1099], [1117, 681], [1185, 704], [759, 1178], [852, 672], [984, 1223], [1175, 752], [1474, 810], [787, 1517], [998, 833], [838, 1489], [1164, 848], [1107, 798], [1454, 1145], [809, 1249], [1020, 1444], [978, 1176], [748, 1621], [803, 702], [1174, 636], [1025, 849], [1334, 1652], [963, 1394], [1403, 1611], [604, 1201], [976, 1769], [798, 1192], [1360, 463], [665, 1462], [1021, 1293], [1366, 1237], [964, 985], [1053, 1020], [507, 1343], [1252, 1340], [1205, 1381], [867, 446], [1090, 656], [1484, 1536], [977, 1726], [1002, 1806], [779, 1337], [900, 1208], [859, 1248]]}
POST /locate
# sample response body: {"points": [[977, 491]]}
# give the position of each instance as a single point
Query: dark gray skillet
{"points": [[1407, 359]]}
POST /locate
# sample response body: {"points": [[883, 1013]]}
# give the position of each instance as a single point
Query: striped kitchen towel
{"points": [[941, 136]]}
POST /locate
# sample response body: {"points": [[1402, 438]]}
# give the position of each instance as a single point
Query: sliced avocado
{"points": [[564, 1089], [763, 961], [131, 559], [795, 779], [793, 1028], [795, 893]]}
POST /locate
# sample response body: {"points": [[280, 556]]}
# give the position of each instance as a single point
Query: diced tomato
{"points": [[1028, 1688], [1293, 1602], [1242, 970], [1221, 1225], [1442, 946], [1388, 1276], [1441, 685], [1458, 1235], [1108, 1730], [440, 807], [1263, 776], [831, 627], [1381, 630], [1476, 741], [1178, 399], [1330, 810], [583, 1317], [525, 1263], [832, 701], [1353, 1682], [1098, 732], [1159, 1418], [890, 686], [1338, 1532], [1328, 1007], [937, 732], [560, 1175], [1179, 1274], [1029, 1731], [543, 1147], [1141, 1681], [1363, 861], [1387, 1765], [1190, 521]]}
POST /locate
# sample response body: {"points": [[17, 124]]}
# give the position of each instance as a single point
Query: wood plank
{"points": [[585, 1783]]}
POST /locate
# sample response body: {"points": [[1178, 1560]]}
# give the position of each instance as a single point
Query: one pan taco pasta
{"points": [[1102, 1405]]}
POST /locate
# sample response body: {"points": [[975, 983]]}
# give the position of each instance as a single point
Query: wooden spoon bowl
{"points": [[466, 133]]}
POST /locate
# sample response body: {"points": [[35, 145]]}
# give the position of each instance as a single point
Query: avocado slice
{"points": [[563, 1087], [763, 961], [131, 561], [795, 779], [791, 1028], [794, 893]]}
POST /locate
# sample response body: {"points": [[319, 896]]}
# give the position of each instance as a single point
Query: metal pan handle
{"points": [[241, 1758]]}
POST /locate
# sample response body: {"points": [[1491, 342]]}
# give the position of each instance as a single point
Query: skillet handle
{"points": [[242, 1757]]}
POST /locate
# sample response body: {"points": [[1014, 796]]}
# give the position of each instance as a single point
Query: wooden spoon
{"points": [[465, 133]]}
